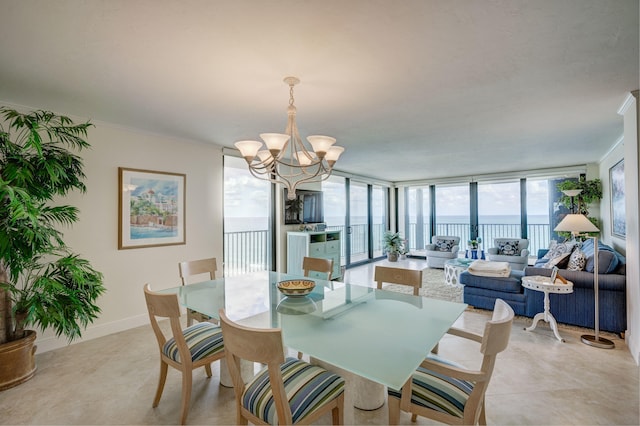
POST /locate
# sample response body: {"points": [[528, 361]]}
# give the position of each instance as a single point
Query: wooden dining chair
{"points": [[408, 277], [185, 350], [287, 391], [448, 392], [317, 264], [191, 268]]}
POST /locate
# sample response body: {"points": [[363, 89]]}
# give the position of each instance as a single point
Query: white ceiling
{"points": [[414, 89]]}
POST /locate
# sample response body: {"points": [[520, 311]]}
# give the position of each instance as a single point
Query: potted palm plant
{"points": [[393, 245], [42, 282]]}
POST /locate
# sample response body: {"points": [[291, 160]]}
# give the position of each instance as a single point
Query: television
{"points": [[307, 207]]}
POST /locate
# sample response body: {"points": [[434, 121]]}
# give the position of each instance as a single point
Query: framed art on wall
{"points": [[151, 208], [618, 220]]}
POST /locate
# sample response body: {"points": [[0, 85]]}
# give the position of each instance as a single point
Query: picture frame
{"points": [[151, 206], [618, 212]]}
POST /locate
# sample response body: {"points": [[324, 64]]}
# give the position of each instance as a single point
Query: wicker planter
{"points": [[392, 257], [17, 361]]}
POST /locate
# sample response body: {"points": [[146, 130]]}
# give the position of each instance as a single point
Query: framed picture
{"points": [[618, 220], [152, 208]]}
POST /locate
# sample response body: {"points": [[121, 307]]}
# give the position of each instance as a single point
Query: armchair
{"points": [[441, 249], [512, 250]]}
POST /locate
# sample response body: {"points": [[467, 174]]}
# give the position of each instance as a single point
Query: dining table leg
{"points": [[360, 393], [246, 371]]}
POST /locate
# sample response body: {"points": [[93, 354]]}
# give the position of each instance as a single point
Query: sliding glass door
{"points": [[498, 212], [453, 212], [358, 221]]}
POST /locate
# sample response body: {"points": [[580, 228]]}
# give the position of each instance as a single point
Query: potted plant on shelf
{"points": [[591, 192], [42, 282], [393, 245]]}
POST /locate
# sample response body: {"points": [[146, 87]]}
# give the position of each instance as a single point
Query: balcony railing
{"points": [[248, 251]]}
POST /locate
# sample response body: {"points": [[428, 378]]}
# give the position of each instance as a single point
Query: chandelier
{"points": [[285, 159]]}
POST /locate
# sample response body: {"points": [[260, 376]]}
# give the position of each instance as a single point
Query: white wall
{"points": [[632, 205], [95, 236]]}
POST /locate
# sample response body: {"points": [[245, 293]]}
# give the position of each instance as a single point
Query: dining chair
{"points": [[185, 350], [317, 264], [288, 390], [408, 277], [448, 392], [192, 268]]}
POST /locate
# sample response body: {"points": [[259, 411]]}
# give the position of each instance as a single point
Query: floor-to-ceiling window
{"points": [[247, 217], [334, 197], [498, 211], [418, 217], [379, 219], [358, 221], [538, 211], [452, 212]]}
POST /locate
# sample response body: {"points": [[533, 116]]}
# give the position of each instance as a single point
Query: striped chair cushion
{"points": [[438, 392], [203, 339], [307, 386]]}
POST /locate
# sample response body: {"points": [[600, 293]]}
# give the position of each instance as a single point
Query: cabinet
{"points": [[324, 244]]}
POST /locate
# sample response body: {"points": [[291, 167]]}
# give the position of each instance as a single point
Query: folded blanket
{"points": [[484, 268]]}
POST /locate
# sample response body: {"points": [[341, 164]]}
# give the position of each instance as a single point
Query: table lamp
{"points": [[577, 223]]}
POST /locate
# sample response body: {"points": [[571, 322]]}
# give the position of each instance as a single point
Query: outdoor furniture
{"points": [[441, 249], [196, 346], [512, 250], [193, 268], [288, 391], [448, 392]]}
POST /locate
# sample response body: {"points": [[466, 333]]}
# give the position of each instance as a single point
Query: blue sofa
{"points": [[576, 308]]}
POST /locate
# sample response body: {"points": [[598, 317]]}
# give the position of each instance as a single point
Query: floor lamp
{"points": [[577, 223]]}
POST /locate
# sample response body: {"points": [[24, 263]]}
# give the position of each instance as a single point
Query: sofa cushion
{"points": [[555, 250], [509, 248], [510, 284], [444, 245], [577, 260], [607, 257]]}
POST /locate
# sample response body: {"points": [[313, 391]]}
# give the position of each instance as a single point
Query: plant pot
{"points": [[17, 361], [392, 257]]}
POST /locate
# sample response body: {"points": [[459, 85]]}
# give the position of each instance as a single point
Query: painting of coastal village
{"points": [[152, 208]]}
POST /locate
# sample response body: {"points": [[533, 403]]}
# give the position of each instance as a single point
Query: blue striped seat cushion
{"points": [[308, 387], [203, 339], [438, 392]]}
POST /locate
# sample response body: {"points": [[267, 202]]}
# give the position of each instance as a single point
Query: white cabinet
{"points": [[325, 244]]}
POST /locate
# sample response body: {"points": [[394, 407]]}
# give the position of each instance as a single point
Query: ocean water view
{"points": [[140, 232], [240, 224]]}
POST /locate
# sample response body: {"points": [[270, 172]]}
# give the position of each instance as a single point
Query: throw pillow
{"points": [[444, 245], [560, 261], [508, 248], [577, 260]]}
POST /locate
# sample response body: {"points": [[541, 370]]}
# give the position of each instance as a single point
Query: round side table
{"points": [[544, 284], [452, 270]]}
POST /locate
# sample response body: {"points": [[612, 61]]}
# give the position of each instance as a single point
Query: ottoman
{"points": [[482, 292]]}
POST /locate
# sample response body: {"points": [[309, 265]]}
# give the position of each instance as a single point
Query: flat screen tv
{"points": [[307, 207]]}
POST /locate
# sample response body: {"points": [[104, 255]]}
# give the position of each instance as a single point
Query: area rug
{"points": [[433, 285]]}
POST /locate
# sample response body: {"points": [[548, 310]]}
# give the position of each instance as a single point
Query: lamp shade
{"points": [[576, 223]]}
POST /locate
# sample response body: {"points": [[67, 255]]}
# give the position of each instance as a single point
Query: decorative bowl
{"points": [[293, 288]]}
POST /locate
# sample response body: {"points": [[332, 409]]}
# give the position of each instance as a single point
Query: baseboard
{"points": [[49, 343]]}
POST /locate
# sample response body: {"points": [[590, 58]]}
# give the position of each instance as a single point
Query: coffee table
{"points": [[544, 284], [453, 268]]}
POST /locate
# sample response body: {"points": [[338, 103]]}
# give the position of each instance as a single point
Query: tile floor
{"points": [[537, 381]]}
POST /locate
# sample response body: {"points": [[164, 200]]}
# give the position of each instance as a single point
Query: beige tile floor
{"points": [[537, 381]]}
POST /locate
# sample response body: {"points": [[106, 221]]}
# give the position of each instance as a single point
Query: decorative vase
{"points": [[17, 361]]}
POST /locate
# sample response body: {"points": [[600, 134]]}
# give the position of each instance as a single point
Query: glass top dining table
{"points": [[377, 334]]}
